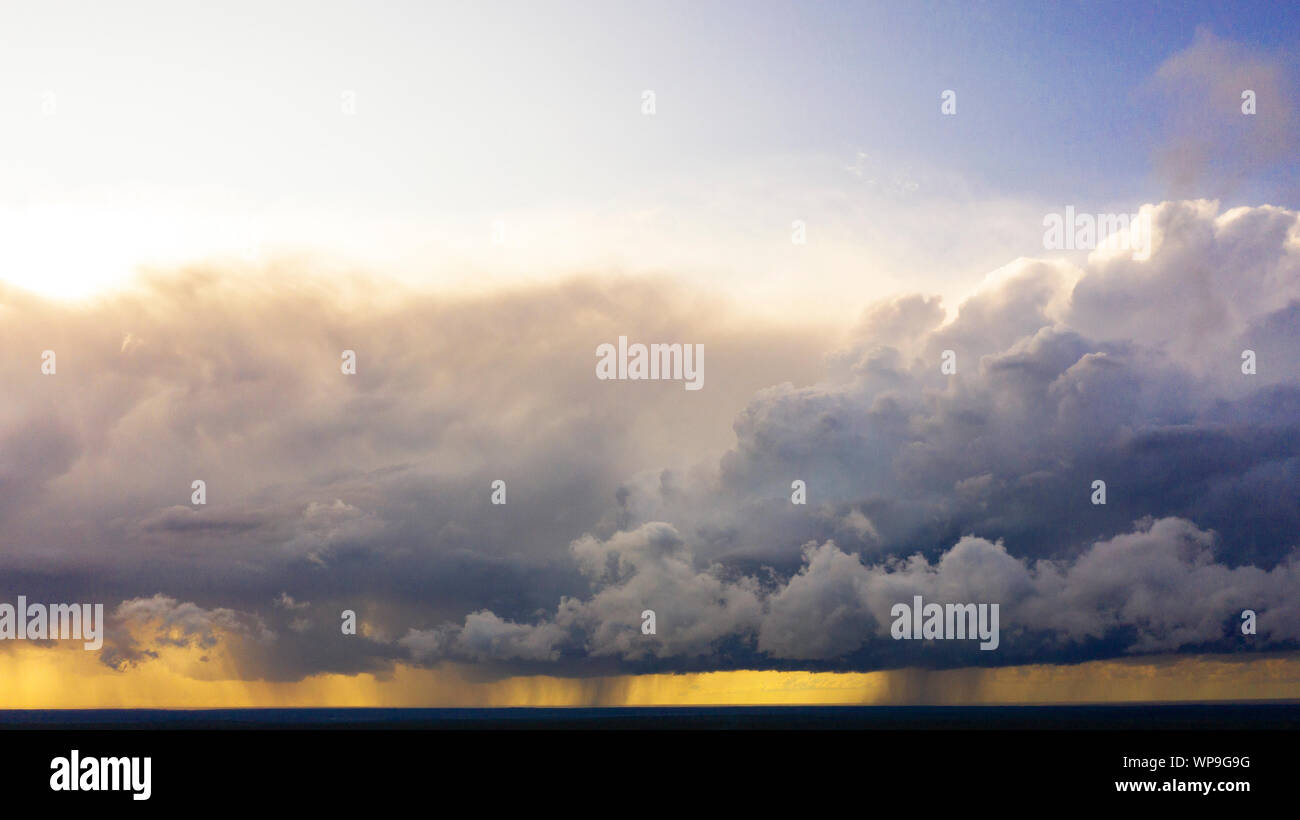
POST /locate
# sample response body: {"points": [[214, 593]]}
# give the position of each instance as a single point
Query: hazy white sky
{"points": [[154, 133]]}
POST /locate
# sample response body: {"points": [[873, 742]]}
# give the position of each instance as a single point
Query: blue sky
{"points": [[1046, 92], [181, 131]]}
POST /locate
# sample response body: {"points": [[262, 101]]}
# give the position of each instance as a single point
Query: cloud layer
{"points": [[372, 492]]}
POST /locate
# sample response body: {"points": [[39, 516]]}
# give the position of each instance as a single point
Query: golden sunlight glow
{"points": [[44, 678]]}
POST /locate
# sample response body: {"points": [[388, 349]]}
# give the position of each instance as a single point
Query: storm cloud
{"points": [[371, 492]]}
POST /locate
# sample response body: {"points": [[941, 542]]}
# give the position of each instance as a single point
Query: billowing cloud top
{"points": [[372, 492]]}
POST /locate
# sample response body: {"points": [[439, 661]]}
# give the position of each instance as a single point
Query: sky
{"points": [[171, 131], [202, 206]]}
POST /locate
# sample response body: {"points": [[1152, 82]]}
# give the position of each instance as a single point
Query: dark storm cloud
{"points": [[977, 487], [372, 492], [368, 492]]}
